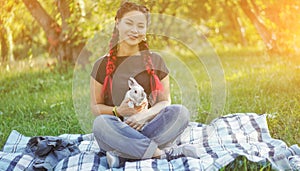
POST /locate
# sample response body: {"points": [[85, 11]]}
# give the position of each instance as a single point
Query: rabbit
{"points": [[136, 94]]}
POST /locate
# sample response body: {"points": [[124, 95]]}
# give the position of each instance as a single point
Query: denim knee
{"points": [[168, 125], [99, 124], [100, 131], [180, 111]]}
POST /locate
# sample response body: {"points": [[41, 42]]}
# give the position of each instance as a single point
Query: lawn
{"points": [[36, 98]]}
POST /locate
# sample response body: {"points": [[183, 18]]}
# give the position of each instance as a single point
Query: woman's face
{"points": [[132, 28]]}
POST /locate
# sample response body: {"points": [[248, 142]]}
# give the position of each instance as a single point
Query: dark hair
{"points": [[155, 83], [130, 6]]}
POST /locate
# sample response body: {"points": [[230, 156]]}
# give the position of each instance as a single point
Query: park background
{"points": [[257, 42]]}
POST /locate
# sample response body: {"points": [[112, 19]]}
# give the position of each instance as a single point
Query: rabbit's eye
{"points": [[135, 91]]}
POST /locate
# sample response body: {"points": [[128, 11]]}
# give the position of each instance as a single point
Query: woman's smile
{"points": [[133, 37]]}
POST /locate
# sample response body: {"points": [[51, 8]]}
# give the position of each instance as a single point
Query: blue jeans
{"points": [[114, 135]]}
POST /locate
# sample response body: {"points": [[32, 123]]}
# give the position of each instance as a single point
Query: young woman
{"points": [[146, 132]]}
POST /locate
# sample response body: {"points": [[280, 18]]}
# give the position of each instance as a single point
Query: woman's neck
{"points": [[127, 50]]}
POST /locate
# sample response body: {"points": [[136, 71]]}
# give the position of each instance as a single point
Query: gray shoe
{"points": [[186, 150], [114, 161]]}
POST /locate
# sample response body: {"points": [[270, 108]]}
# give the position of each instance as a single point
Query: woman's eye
{"points": [[141, 26], [128, 23]]}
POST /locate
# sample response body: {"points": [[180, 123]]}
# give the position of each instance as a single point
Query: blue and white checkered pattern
{"points": [[217, 144]]}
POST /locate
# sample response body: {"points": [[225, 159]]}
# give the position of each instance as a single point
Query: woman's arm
{"points": [[97, 102], [163, 101]]}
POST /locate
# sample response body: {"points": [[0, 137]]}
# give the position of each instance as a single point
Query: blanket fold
{"points": [[47, 151]]}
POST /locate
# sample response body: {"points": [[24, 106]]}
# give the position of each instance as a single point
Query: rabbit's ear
{"points": [[132, 82]]}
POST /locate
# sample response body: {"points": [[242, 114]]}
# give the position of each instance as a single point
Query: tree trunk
{"points": [[58, 36], [51, 28], [233, 17], [4, 46], [8, 39], [66, 51], [260, 27], [71, 51], [10, 44]]}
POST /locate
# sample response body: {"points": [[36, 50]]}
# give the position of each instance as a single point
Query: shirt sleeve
{"points": [[159, 66], [98, 71]]}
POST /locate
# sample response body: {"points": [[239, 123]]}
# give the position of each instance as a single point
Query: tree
{"points": [[284, 17], [263, 31], [62, 27], [277, 22], [4, 52], [6, 19], [59, 37]]}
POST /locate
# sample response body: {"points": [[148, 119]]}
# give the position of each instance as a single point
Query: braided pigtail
{"points": [[155, 83], [110, 66]]}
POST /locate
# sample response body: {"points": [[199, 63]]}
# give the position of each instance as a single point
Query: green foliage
{"points": [[285, 19], [223, 22], [26, 33]]}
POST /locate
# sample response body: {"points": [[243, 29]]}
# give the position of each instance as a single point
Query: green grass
{"points": [[36, 99], [263, 84]]}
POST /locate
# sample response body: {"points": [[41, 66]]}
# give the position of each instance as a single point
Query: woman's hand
{"points": [[138, 120], [125, 110]]}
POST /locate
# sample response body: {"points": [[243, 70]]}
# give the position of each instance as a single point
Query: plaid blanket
{"points": [[218, 144]]}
